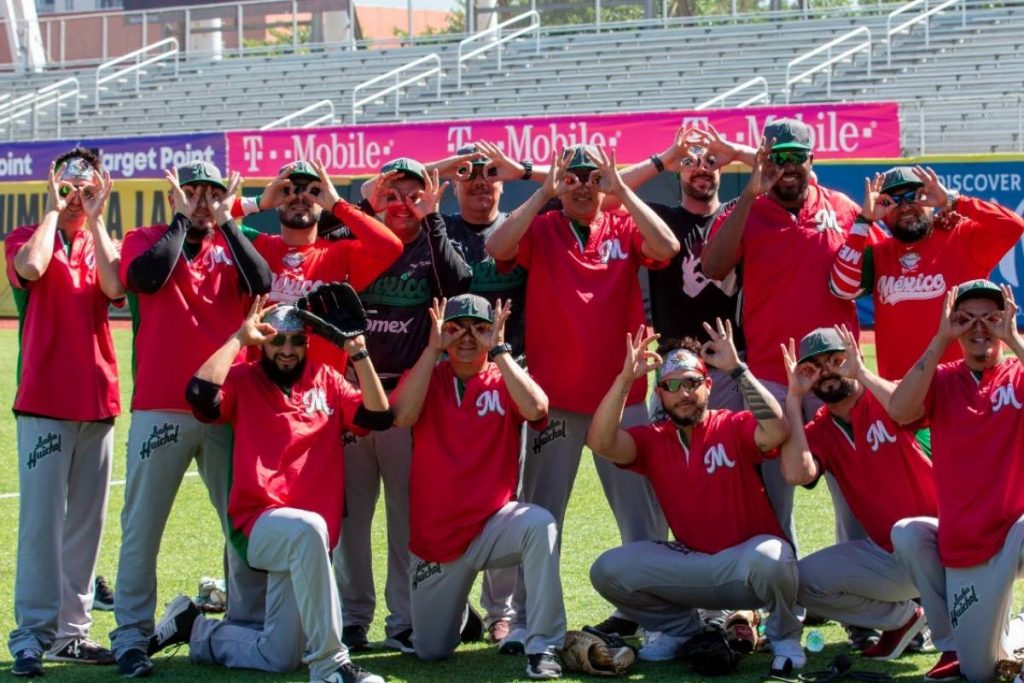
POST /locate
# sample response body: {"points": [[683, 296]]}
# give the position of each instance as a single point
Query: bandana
{"points": [[77, 168], [680, 360]]}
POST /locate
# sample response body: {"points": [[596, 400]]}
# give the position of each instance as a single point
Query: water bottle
{"points": [[815, 641]]}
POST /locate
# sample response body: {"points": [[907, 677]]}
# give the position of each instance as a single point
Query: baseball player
{"points": [[938, 237], [189, 287], [398, 307], [287, 493], [703, 464], [884, 474], [63, 273], [465, 413], [581, 294], [965, 562]]}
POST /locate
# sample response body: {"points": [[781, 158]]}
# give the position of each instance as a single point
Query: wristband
{"points": [[498, 350], [527, 169], [861, 218], [738, 370], [359, 355], [656, 160]]}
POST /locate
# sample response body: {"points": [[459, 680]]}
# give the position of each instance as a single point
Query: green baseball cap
{"points": [[469, 306], [199, 172], [789, 134], [301, 169], [471, 149], [580, 160], [819, 341], [980, 289], [410, 168], [900, 176]]}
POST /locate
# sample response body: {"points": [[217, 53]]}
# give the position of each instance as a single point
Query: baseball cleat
{"points": [[28, 663], [350, 672], [134, 664], [175, 627], [619, 626], [354, 638], [946, 669], [79, 651], [514, 643], [401, 642], [102, 595], [892, 643], [543, 666]]}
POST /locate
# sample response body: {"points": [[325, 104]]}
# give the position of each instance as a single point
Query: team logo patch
{"points": [[293, 259], [160, 436], [489, 402], [910, 260], [45, 445], [963, 599], [216, 255], [920, 287], [424, 570], [611, 249], [877, 435], [1004, 396], [556, 430], [716, 457], [315, 401], [825, 219], [349, 439]]}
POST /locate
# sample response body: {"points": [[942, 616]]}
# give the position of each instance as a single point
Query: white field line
{"points": [[116, 482]]}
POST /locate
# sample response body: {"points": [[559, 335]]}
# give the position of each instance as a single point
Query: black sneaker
{"points": [[618, 626], [354, 638], [401, 642], [472, 626], [544, 665], [860, 638], [175, 627], [102, 595], [351, 673], [28, 663], [80, 651], [134, 664]]}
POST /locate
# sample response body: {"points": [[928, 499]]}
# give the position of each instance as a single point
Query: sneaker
{"points": [[792, 650], [28, 663], [175, 627], [922, 642], [134, 664], [859, 638], [80, 651], [660, 647], [498, 631], [892, 643], [514, 643], [401, 642], [472, 626], [946, 669], [543, 665], [355, 639], [619, 626], [350, 672], [102, 595]]}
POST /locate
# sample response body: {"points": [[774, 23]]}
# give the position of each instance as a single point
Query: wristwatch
{"points": [[951, 197], [498, 350], [527, 169], [359, 355]]}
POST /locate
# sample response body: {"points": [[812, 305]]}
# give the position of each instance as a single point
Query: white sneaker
{"points": [[660, 647], [791, 650]]}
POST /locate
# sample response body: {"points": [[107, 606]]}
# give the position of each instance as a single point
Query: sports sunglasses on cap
{"points": [[787, 157], [298, 340], [675, 384]]}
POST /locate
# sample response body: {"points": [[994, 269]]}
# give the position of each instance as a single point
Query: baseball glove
{"points": [[212, 597], [596, 653], [334, 312], [741, 630], [709, 654], [1011, 667]]}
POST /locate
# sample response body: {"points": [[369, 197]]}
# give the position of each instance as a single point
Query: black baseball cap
{"points": [[819, 341], [980, 289], [471, 149], [899, 177], [469, 306], [199, 172], [789, 134]]}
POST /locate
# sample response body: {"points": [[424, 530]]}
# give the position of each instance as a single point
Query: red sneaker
{"points": [[946, 669], [892, 643]]}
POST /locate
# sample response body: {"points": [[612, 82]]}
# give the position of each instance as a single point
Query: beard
{"points": [[688, 420], [299, 221], [282, 378], [843, 389], [917, 230], [791, 194], [702, 195]]}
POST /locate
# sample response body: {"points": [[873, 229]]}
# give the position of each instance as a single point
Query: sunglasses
{"points": [[312, 187], [783, 158], [691, 384], [297, 340], [907, 197], [87, 191]]}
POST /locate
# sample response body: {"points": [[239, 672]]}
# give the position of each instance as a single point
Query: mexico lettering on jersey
{"points": [[711, 492], [882, 471], [978, 454]]}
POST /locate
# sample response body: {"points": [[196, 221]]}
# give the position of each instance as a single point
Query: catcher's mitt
{"points": [[597, 653], [709, 654], [334, 312]]}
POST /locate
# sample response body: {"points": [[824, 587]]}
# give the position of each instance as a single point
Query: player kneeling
{"points": [[287, 491], [465, 413], [729, 551]]}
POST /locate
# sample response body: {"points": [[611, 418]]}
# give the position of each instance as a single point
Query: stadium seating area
{"points": [[624, 69]]}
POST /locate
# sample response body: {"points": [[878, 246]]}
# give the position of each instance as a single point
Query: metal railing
{"points": [[1006, 114], [136, 67], [831, 59], [922, 17], [326, 119], [14, 110], [495, 39], [759, 97], [397, 86]]}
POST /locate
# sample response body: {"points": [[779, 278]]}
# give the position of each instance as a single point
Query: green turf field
{"points": [[192, 548]]}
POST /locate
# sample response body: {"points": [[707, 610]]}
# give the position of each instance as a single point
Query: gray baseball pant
{"points": [[63, 482], [549, 471], [383, 455], [661, 585], [518, 533], [968, 610], [161, 446], [858, 583], [303, 621]]}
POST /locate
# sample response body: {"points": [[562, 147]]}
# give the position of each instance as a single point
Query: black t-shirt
{"points": [[681, 296]]}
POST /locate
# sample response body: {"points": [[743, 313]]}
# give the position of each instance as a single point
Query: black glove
{"points": [[334, 312], [709, 653]]}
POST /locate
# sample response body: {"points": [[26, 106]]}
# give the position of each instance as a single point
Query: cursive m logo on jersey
{"points": [[1004, 396], [216, 255], [611, 249], [826, 220], [315, 401], [877, 435], [716, 457], [489, 402]]}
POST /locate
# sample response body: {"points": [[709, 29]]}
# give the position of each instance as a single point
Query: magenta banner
{"points": [[861, 130]]}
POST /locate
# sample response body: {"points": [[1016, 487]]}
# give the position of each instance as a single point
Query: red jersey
{"points": [[786, 261], [711, 493], [581, 300], [288, 447], [66, 364], [881, 469], [180, 325], [910, 281], [978, 453], [465, 461]]}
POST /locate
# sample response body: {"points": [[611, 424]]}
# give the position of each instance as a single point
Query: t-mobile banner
{"points": [[137, 157], [863, 130]]}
